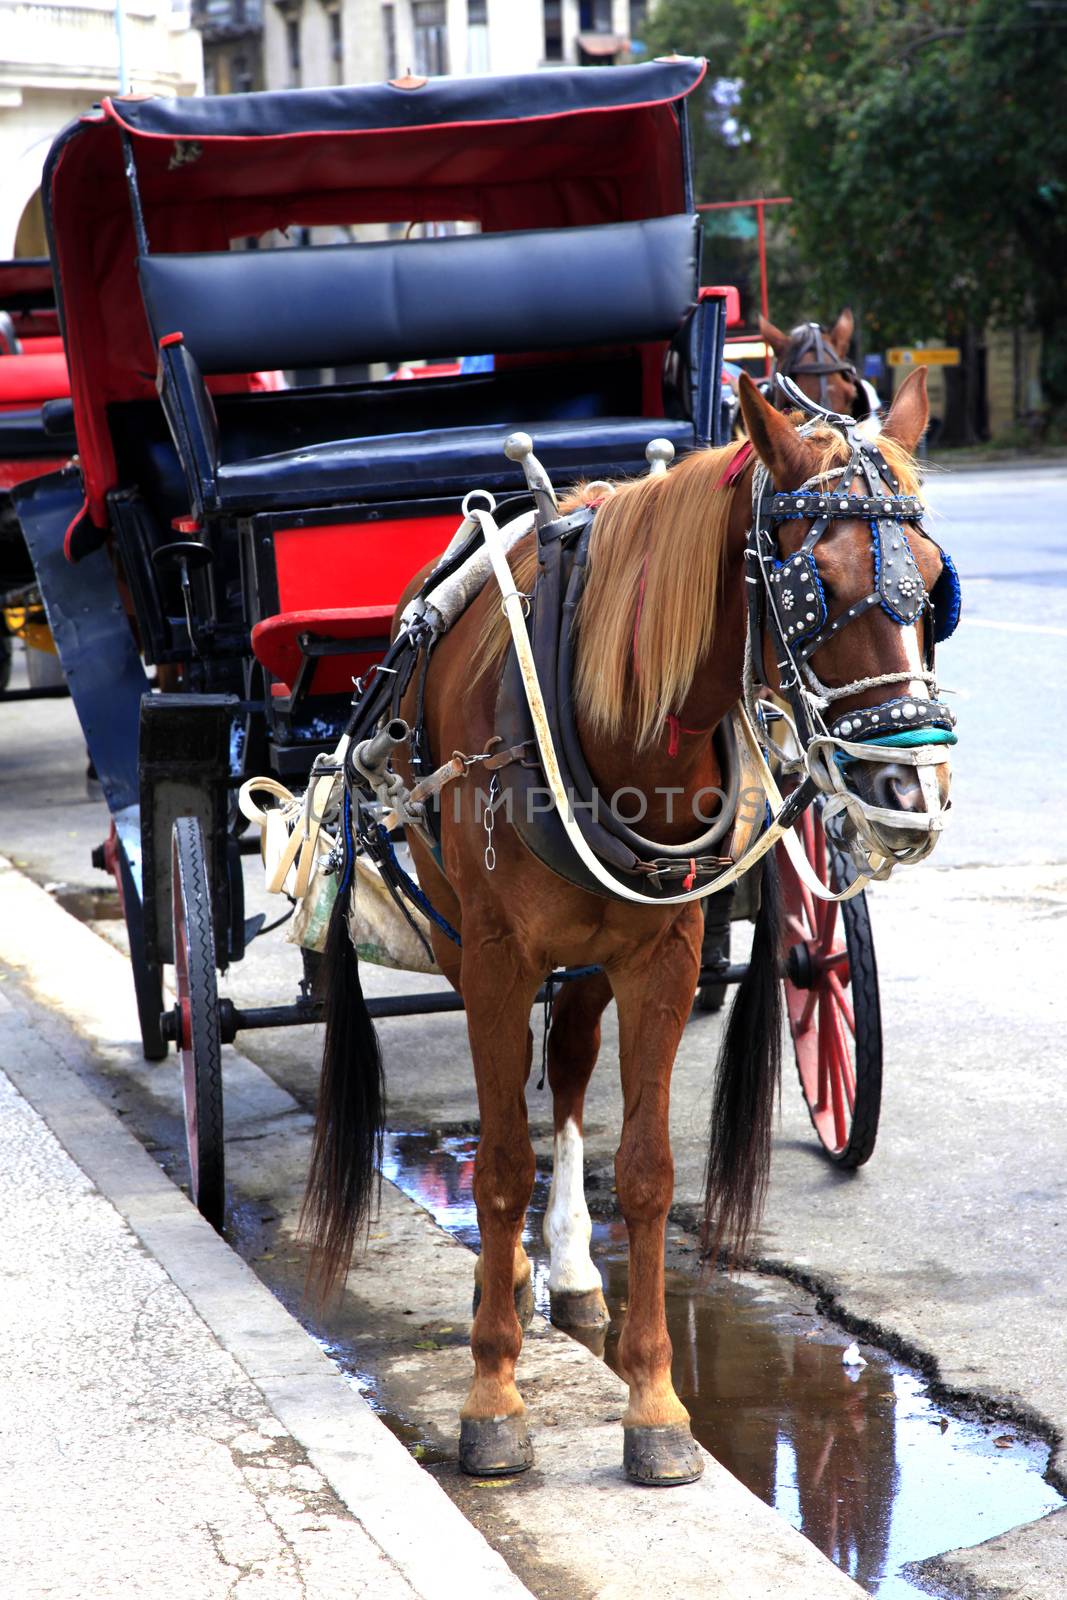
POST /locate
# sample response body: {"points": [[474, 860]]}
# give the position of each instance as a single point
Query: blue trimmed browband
{"points": [[808, 504]]}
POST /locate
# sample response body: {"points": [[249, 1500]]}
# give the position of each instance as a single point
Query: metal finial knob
{"points": [[659, 453], [517, 445]]}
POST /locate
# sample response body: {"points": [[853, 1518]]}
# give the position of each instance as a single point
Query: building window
{"points": [[389, 42], [240, 75], [595, 16], [553, 30], [292, 50], [336, 40], [477, 36], [431, 38], [638, 18]]}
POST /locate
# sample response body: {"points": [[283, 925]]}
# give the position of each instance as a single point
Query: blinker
{"points": [[900, 584], [799, 595], [946, 599]]}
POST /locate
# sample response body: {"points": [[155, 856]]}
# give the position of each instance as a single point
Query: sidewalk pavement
{"points": [[166, 1428], [198, 1443]]}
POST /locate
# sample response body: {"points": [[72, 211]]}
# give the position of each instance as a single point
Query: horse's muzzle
{"points": [[916, 793]]}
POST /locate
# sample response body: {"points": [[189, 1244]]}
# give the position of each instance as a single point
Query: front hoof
{"points": [[578, 1308], [494, 1447], [661, 1457]]}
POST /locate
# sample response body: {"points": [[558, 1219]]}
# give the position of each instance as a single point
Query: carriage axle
{"points": [[241, 1019]]}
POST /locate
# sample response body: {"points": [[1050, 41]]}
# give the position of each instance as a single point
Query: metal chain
{"points": [[489, 823]]}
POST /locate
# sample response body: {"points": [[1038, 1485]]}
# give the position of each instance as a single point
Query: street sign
{"points": [[905, 357]]}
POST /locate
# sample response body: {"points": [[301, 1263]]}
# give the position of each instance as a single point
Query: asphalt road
{"points": [[948, 1243]]}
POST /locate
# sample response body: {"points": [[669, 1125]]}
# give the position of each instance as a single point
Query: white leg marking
{"points": [[567, 1226]]}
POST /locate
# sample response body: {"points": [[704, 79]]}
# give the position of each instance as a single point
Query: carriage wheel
{"points": [[197, 1019], [831, 992]]}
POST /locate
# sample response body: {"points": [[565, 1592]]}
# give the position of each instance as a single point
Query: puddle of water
{"points": [[96, 904], [859, 1459]]}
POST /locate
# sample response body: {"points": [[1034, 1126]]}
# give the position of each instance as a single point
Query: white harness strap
{"points": [[512, 604]]}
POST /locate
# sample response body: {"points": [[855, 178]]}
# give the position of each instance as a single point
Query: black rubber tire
{"points": [[200, 1041], [5, 658], [710, 997], [715, 948], [867, 1007]]}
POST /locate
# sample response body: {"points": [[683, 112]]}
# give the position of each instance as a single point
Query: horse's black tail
{"points": [[749, 1071], [346, 1151]]}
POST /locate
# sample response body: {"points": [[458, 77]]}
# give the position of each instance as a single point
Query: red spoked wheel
{"points": [[196, 1020], [831, 992]]}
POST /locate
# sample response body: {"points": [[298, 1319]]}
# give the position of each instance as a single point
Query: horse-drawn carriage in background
{"points": [[36, 437], [248, 542]]}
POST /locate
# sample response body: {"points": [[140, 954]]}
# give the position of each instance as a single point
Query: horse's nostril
{"points": [[897, 788]]}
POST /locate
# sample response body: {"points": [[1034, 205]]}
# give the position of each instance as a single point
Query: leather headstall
{"points": [[787, 603], [809, 339]]}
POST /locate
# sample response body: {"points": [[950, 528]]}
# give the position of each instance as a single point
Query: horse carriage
{"points": [[251, 539], [35, 438]]}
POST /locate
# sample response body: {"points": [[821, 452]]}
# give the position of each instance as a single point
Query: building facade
{"points": [[315, 43], [232, 32], [57, 59]]}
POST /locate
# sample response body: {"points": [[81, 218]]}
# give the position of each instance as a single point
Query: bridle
{"points": [[787, 609], [809, 339]]}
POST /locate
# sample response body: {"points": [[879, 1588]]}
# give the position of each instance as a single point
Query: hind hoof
{"points": [[579, 1308], [494, 1447], [524, 1302], [661, 1457]]}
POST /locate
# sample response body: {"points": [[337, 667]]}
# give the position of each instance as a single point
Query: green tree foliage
{"points": [[925, 146], [724, 164], [924, 143]]}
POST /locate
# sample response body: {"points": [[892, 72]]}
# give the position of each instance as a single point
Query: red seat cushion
{"points": [[275, 642]]}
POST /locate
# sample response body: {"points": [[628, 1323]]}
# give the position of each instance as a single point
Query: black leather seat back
{"points": [[466, 294]]}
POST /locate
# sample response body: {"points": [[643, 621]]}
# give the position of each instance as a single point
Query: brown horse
{"points": [[818, 361], [661, 638]]}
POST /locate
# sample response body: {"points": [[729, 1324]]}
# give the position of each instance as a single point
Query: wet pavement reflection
{"points": [[859, 1458]]}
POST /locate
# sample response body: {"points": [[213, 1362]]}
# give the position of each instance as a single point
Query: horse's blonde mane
{"points": [[647, 614]]}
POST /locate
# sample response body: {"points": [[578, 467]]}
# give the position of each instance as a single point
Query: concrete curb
{"points": [[399, 1505], [593, 1532]]}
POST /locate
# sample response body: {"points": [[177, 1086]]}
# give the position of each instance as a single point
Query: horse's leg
{"points": [[574, 1283], [498, 994], [654, 994], [523, 1273], [443, 896]]}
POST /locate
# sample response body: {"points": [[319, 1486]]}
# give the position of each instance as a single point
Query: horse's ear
{"points": [[910, 411], [840, 335], [783, 452], [778, 341]]}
